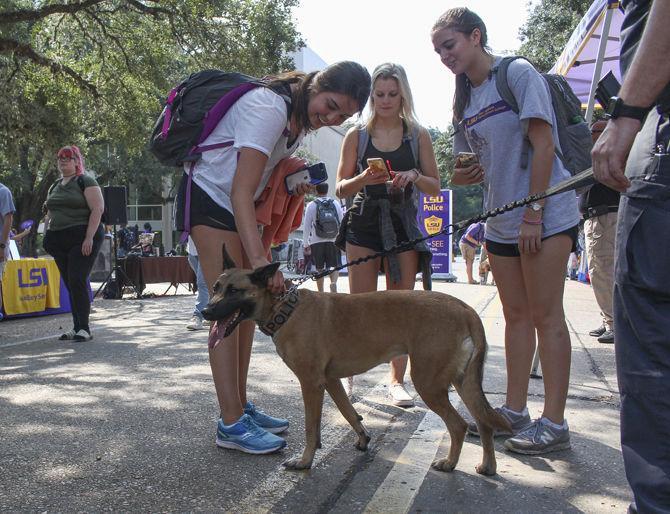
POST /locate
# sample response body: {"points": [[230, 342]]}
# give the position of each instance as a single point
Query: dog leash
{"points": [[580, 180]]}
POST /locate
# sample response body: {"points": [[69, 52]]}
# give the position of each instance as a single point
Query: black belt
{"points": [[599, 210]]}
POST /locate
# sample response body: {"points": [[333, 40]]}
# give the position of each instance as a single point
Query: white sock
{"points": [[550, 423], [524, 412]]}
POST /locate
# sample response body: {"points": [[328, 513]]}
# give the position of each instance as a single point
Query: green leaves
{"points": [[95, 73], [548, 28]]}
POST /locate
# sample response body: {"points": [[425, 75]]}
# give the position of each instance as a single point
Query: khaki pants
{"points": [[600, 232]]}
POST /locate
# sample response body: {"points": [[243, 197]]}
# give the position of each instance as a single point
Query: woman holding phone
{"points": [[384, 180], [528, 248], [226, 183]]}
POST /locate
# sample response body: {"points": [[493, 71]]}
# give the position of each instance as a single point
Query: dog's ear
{"points": [[228, 261], [260, 276]]}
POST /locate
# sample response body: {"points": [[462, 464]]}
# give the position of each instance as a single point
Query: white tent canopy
{"points": [[592, 51]]}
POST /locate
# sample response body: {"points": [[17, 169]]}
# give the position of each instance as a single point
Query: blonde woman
{"points": [[384, 209]]}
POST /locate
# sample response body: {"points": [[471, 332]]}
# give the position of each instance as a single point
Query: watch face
{"points": [[613, 107]]}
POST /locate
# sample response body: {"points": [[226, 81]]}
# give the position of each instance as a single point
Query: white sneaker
{"points": [[195, 323], [348, 384], [399, 396]]}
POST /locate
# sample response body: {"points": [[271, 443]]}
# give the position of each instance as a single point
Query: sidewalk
{"points": [[126, 423]]}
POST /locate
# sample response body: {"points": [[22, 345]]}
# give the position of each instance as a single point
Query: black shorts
{"points": [[204, 210], [325, 255], [512, 249], [365, 230]]}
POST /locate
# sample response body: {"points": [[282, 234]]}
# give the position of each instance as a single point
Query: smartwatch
{"points": [[617, 109]]}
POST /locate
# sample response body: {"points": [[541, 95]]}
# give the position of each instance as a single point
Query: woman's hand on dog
{"points": [[276, 283]]}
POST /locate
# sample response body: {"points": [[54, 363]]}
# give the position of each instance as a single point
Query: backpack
{"points": [[82, 186], [327, 224], [574, 135], [194, 108]]}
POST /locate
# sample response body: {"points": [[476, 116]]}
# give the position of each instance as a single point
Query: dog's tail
{"points": [[473, 377]]}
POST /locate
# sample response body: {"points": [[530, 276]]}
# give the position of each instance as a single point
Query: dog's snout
{"points": [[207, 313]]}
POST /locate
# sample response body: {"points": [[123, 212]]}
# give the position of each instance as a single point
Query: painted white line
{"points": [[17, 343], [280, 482], [397, 492]]}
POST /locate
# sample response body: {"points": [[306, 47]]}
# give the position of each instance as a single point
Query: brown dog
{"points": [[326, 336]]}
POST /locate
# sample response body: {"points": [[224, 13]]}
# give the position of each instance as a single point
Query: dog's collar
{"points": [[281, 312]]}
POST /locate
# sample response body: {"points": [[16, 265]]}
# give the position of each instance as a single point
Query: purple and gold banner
{"points": [[434, 215]]}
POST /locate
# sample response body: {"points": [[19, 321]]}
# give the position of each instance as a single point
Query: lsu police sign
{"points": [[434, 215], [30, 285]]}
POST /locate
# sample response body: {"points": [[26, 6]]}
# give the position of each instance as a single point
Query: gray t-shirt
{"points": [[492, 130], [6, 207]]}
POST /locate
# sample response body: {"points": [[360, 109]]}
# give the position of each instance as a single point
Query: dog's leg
{"points": [[339, 396], [436, 396], [312, 396], [473, 397]]}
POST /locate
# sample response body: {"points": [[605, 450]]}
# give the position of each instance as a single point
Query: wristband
{"points": [[418, 176], [531, 222]]}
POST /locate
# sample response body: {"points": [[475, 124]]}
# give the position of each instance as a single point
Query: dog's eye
{"points": [[233, 290]]}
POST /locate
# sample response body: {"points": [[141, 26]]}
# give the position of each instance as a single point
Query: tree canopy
{"points": [[548, 28], [94, 73]]}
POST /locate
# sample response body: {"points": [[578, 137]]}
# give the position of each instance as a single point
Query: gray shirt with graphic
{"points": [[496, 134]]}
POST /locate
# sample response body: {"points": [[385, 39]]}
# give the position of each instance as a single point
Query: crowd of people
{"points": [[526, 249]]}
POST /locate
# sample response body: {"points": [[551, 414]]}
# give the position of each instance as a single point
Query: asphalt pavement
{"points": [[126, 423]]}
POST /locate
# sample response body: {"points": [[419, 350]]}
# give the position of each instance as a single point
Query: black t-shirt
{"points": [[632, 27]]}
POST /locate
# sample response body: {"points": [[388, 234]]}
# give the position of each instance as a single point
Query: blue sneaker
{"points": [[247, 436], [272, 425]]}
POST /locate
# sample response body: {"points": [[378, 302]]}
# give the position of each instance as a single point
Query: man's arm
{"points": [[648, 74], [4, 236]]}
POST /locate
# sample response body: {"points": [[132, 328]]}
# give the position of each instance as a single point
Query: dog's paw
{"points": [[363, 441], [297, 464], [487, 470], [443, 465]]}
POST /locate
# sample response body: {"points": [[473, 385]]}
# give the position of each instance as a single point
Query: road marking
{"points": [[17, 343], [279, 483], [398, 490]]}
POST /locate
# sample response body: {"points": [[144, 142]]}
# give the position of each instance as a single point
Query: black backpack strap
{"points": [[502, 85], [284, 90]]}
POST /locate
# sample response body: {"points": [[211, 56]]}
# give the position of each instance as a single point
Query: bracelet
{"points": [[418, 176], [531, 222]]}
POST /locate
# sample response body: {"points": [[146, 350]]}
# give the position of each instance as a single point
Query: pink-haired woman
{"points": [[74, 234]]}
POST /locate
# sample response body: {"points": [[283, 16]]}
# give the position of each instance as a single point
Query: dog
{"points": [[484, 269], [323, 337]]}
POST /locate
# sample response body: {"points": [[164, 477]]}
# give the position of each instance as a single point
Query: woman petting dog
{"points": [[384, 209], [226, 182], [528, 249]]}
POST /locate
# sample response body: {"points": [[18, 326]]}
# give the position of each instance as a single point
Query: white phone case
{"points": [[297, 178]]}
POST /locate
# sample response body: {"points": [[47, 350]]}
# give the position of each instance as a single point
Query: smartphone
{"points": [[468, 159], [313, 174], [379, 166]]}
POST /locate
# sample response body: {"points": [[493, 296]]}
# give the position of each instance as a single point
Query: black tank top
{"points": [[401, 159]]}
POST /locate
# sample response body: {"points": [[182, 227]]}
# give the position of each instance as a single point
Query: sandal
{"points": [[67, 336]]}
